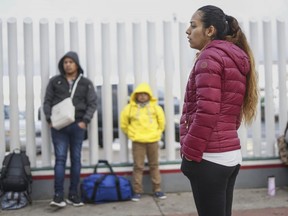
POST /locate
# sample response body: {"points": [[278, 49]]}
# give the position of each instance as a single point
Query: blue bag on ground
{"points": [[101, 188]]}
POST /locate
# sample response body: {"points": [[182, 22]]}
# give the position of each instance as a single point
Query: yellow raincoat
{"points": [[143, 124]]}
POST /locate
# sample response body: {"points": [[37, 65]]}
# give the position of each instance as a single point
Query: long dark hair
{"points": [[227, 28]]}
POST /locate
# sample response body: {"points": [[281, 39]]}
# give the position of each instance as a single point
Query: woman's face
{"points": [[198, 36]]}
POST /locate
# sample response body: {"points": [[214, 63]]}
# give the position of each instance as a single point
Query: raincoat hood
{"points": [[72, 55], [143, 87]]}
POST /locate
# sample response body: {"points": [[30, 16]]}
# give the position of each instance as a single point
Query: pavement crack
{"points": [[159, 206]]}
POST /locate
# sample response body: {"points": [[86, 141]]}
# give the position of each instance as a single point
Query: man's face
{"points": [[142, 97], [70, 67]]}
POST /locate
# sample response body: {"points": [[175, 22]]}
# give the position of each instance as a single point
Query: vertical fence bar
{"points": [[29, 84], [122, 87], [91, 72], [2, 118], [45, 72], [13, 83], [269, 91], [256, 127], [281, 48], [242, 134], [169, 68], [183, 61], [152, 56], [137, 53], [106, 91], [242, 131], [59, 40], [74, 35]]}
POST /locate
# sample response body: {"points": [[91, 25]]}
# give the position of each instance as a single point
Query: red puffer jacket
{"points": [[213, 100]]}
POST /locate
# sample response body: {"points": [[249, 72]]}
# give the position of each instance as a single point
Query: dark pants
{"points": [[212, 186], [71, 136]]}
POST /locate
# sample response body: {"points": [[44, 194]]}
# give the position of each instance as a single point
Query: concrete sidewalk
{"points": [[247, 202]]}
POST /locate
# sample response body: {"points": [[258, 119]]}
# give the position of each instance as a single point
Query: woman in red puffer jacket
{"points": [[220, 92]]}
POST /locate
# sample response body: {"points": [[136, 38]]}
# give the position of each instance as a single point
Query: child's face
{"points": [[142, 97]]}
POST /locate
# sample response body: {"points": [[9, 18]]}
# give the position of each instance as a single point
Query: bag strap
{"points": [[129, 115], [106, 164], [27, 170], [75, 85], [28, 197], [6, 163], [96, 185], [117, 182], [285, 131], [26, 163]]}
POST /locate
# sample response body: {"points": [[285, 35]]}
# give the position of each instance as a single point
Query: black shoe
{"points": [[160, 195], [136, 197], [74, 200], [58, 201]]}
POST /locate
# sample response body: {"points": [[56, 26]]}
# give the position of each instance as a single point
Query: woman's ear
{"points": [[211, 31]]}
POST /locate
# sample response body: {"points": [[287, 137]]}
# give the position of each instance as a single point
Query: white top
{"points": [[230, 158]]}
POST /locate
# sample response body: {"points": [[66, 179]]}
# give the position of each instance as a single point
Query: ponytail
{"points": [[236, 36]]}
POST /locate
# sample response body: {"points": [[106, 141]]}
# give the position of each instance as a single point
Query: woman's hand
{"points": [[82, 125], [187, 159], [183, 156]]}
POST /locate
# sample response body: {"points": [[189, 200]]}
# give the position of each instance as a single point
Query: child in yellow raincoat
{"points": [[143, 121]]}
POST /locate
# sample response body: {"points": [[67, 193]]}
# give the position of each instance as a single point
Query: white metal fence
{"points": [[122, 53]]}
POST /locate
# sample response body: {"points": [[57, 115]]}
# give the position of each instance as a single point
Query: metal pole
{"points": [[152, 56], [269, 91], [137, 53], [169, 68], [183, 61], [13, 86], [281, 48], [256, 127], [29, 74], [2, 118], [74, 35], [122, 87], [45, 72], [107, 119], [91, 72], [59, 41]]}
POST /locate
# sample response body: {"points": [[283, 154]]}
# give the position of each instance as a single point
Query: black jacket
{"points": [[57, 90]]}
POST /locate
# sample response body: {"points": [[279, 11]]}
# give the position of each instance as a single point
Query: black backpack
{"points": [[16, 173]]}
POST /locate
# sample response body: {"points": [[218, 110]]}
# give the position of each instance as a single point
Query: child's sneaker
{"points": [[58, 201], [160, 195], [136, 197], [74, 200]]}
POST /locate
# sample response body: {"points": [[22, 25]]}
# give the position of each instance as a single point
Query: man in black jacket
{"points": [[71, 136]]}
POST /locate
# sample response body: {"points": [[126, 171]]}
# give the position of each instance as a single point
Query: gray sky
{"points": [[137, 9]]}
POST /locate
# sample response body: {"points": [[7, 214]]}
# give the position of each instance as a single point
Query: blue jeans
{"points": [[71, 136]]}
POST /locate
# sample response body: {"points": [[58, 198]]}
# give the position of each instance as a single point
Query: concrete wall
{"points": [[251, 175]]}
